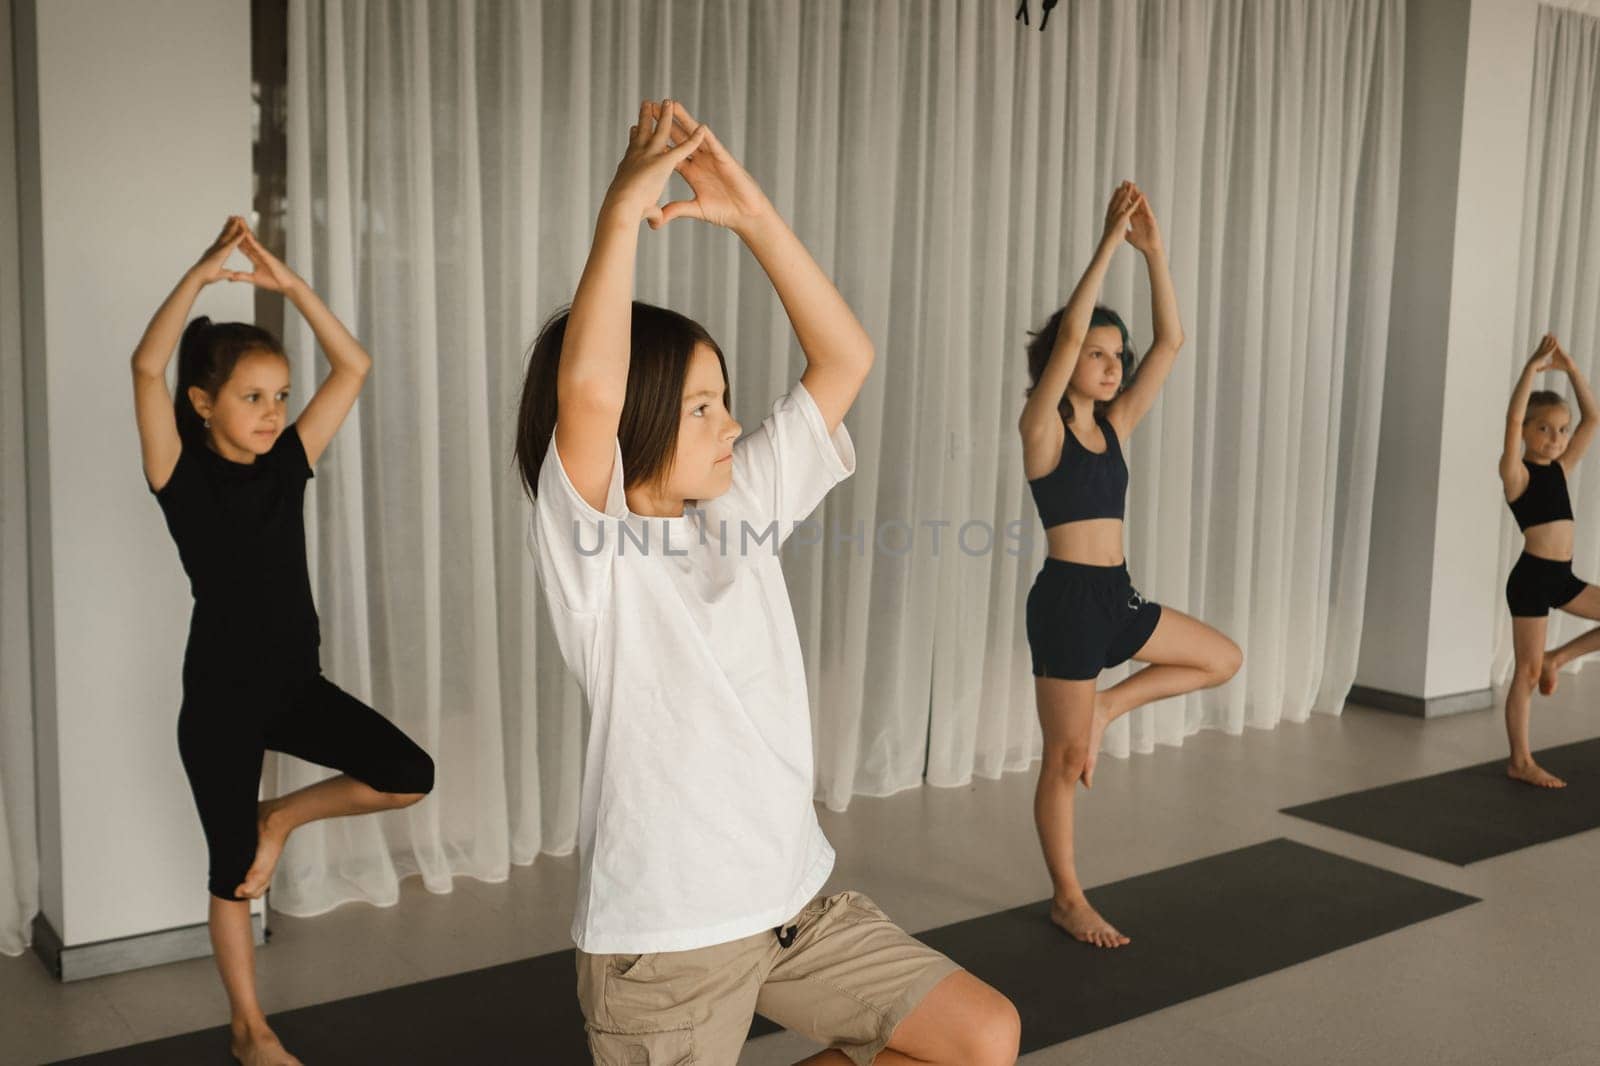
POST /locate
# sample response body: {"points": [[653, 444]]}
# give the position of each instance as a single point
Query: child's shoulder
{"points": [[288, 453], [181, 475]]}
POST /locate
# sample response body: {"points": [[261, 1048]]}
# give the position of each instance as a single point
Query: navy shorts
{"points": [[1538, 584], [1083, 619]]}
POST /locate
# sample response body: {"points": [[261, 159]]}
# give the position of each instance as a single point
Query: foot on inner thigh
{"points": [[1549, 675], [270, 838], [1085, 924], [1097, 730], [1533, 774], [259, 1046]]}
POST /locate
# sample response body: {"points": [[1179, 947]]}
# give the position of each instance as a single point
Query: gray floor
{"points": [[1513, 979]]}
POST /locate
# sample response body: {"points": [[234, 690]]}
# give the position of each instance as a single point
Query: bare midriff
{"points": [[1091, 541], [1548, 540]]}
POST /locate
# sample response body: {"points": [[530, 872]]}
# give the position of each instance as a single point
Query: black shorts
{"points": [[1083, 619], [1538, 584]]}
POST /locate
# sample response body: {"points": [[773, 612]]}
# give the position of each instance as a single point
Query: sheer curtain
{"points": [[950, 171], [1559, 274], [19, 850]]}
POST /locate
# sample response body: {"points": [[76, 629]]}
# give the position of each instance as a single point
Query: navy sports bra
{"points": [[1084, 484], [1545, 499]]}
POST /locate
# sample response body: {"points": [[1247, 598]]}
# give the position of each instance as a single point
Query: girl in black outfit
{"points": [[230, 478], [1083, 613], [1541, 449]]}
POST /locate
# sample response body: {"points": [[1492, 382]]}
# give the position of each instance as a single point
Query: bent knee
{"points": [[995, 1040], [1227, 662], [418, 778], [408, 780]]}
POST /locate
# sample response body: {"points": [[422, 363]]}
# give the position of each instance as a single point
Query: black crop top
{"points": [[1084, 484], [240, 531], [1545, 499]]}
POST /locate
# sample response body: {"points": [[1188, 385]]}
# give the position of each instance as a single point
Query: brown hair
{"points": [[1042, 342], [661, 343], [1539, 399]]}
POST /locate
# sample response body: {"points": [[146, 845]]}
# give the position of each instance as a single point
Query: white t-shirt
{"points": [[695, 823]]}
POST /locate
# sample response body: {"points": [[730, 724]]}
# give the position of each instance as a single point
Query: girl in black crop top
{"points": [[1083, 613], [229, 473], [1541, 450]]}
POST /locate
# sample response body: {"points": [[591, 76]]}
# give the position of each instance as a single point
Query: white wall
{"points": [[1488, 236], [19, 870], [1430, 612], [134, 127], [1394, 636]]}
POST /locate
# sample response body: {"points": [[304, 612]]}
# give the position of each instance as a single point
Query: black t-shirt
{"points": [[240, 531]]}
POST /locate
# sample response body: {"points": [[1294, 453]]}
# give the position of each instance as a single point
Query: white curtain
{"points": [[1559, 274], [19, 850], [950, 170]]}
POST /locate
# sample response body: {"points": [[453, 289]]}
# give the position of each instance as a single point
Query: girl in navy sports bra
{"points": [[1083, 613], [1538, 454]]}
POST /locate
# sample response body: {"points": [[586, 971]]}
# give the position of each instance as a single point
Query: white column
{"points": [[134, 144], [1431, 599]]}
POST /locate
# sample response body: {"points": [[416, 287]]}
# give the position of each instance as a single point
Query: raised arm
{"points": [[1583, 435], [1039, 418], [592, 378], [1513, 475], [349, 361], [838, 352], [1128, 409], [159, 444]]}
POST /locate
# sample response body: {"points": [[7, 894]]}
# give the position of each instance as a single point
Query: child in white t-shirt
{"points": [[656, 531]]}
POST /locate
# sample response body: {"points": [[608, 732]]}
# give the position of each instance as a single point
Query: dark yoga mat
{"points": [[1197, 928], [1477, 812]]}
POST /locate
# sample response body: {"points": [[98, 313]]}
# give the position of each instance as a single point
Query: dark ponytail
{"points": [[207, 355]]}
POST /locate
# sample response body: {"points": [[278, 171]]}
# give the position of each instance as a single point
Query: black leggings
{"points": [[226, 727]]}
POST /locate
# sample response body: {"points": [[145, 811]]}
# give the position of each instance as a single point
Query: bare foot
{"points": [[1533, 774], [1097, 730], [260, 1047], [1549, 676], [1085, 924], [270, 838]]}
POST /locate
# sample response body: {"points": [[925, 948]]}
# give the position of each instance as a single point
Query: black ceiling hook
{"points": [[1045, 6]]}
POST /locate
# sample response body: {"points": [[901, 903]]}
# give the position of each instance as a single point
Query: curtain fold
{"points": [[19, 843], [1559, 269], [950, 171]]}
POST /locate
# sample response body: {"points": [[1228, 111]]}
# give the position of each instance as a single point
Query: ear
{"points": [[200, 400]]}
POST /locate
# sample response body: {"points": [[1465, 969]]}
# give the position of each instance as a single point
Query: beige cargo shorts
{"points": [[847, 978]]}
